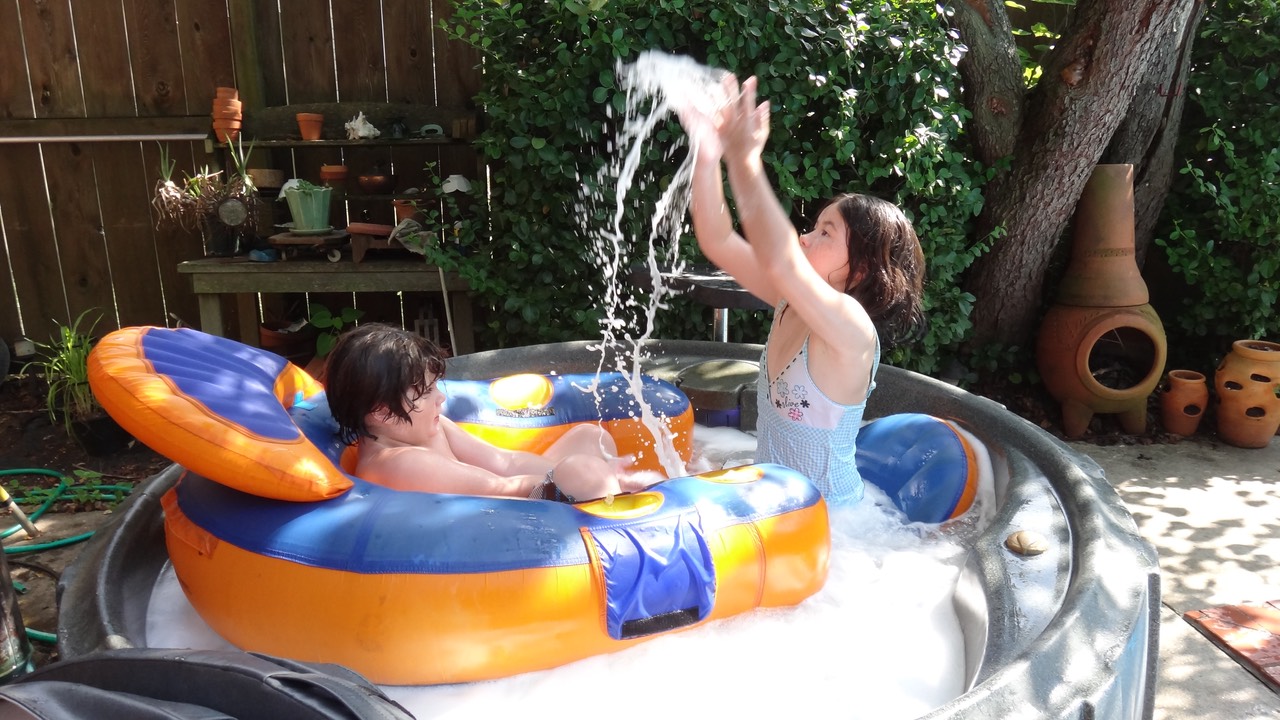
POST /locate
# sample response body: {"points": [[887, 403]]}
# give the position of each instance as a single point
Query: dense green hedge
{"points": [[865, 98], [1221, 229]]}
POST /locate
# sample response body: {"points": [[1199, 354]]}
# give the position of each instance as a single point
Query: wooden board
{"points": [[358, 52], [156, 59], [15, 92], [206, 50], [55, 74], [1249, 633], [308, 52], [105, 72], [409, 38]]}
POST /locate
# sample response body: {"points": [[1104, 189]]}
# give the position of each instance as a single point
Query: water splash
{"points": [[655, 85]]}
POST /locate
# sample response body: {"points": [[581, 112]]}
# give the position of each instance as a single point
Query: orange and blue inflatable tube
{"points": [[282, 552]]}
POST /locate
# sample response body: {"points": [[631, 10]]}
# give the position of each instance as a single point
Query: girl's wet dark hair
{"points": [[886, 273], [378, 367]]}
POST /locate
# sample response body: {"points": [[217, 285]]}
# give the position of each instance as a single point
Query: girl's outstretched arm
{"points": [[712, 223], [835, 317]]}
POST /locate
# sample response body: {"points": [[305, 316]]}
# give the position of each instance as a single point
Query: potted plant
{"points": [[309, 205], [64, 362], [222, 206], [328, 326]]}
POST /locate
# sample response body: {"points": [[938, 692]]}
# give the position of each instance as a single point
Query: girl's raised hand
{"points": [[744, 125]]}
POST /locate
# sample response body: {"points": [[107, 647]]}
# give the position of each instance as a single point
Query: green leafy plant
{"points": [[1219, 231], [64, 362], [865, 97], [330, 325]]}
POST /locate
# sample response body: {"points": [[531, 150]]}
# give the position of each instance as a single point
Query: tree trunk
{"points": [[992, 76], [1070, 117], [1149, 134]]}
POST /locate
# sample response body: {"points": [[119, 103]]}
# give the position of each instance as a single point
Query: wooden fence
{"points": [[90, 90]]}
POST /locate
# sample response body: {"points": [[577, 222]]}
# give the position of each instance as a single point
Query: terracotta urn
{"points": [[1247, 383], [310, 125], [1183, 401]]}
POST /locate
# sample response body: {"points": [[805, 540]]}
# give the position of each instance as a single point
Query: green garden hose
{"points": [[118, 492]]}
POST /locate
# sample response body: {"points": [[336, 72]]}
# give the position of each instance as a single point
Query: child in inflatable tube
{"points": [[383, 392]]}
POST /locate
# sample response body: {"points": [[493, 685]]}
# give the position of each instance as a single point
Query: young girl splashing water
{"points": [[838, 290]]}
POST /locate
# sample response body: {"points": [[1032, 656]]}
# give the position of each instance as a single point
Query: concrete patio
{"points": [[1212, 511]]}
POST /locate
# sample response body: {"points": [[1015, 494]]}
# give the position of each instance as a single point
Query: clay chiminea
{"points": [[1102, 347]]}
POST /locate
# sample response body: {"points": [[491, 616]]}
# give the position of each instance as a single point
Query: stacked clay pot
{"points": [[226, 114], [1247, 383]]}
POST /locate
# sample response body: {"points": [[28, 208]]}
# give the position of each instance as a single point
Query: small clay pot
{"points": [[226, 130], [1182, 403], [227, 93], [377, 184], [333, 174], [404, 209], [310, 125]]}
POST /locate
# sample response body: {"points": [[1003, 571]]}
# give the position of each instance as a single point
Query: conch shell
{"points": [[358, 128]]}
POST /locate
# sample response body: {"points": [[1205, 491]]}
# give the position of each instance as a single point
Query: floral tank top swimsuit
{"points": [[802, 428]]}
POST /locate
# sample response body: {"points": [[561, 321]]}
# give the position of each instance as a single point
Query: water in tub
{"points": [[881, 639]]}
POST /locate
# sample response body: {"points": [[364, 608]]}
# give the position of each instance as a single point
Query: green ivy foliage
{"points": [[1221, 228], [865, 97]]}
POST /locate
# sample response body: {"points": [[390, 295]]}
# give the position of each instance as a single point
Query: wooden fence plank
{"points": [[78, 233], [410, 75], [206, 50], [308, 52], [358, 48], [267, 22], [55, 73], [457, 64], [32, 256], [15, 93], [155, 58], [104, 60], [130, 249]]}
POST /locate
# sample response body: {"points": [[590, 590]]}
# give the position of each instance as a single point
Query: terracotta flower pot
{"points": [[1247, 383], [223, 104], [227, 93], [333, 175], [226, 130], [225, 113], [1182, 403], [310, 125], [404, 209]]}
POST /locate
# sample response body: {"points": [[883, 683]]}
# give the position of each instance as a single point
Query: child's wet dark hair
{"points": [[886, 273], [378, 367]]}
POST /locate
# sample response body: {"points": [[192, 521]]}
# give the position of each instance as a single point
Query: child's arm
{"points": [[834, 316], [712, 224]]}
